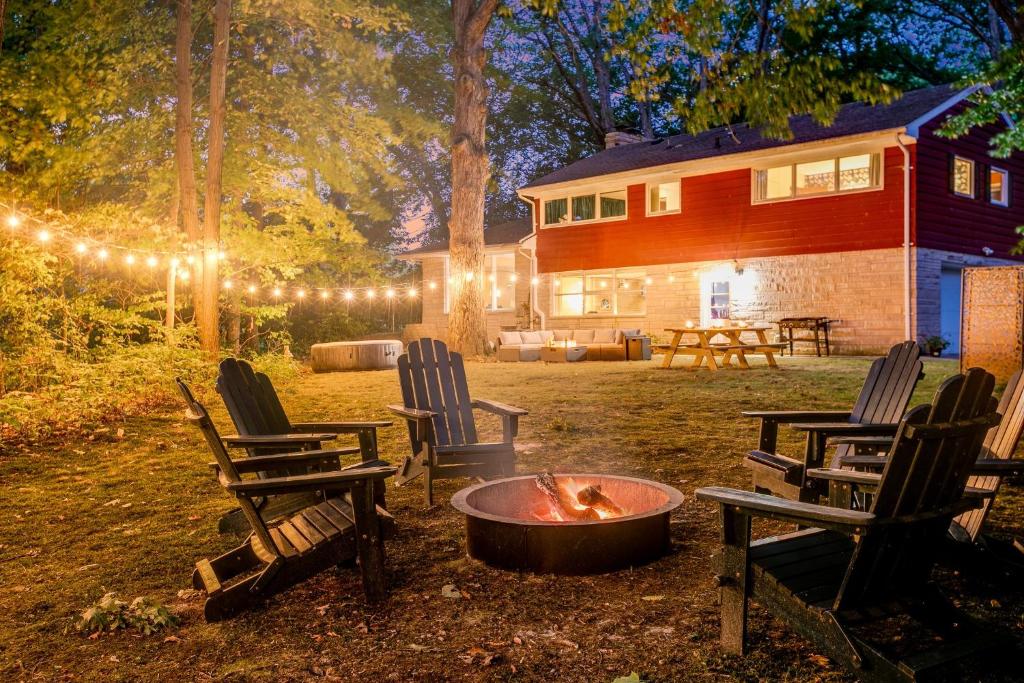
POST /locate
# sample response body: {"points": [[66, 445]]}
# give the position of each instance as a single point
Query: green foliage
{"points": [[1002, 95], [113, 614]]}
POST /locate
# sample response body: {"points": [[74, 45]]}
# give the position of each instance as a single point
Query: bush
{"points": [[112, 614]]}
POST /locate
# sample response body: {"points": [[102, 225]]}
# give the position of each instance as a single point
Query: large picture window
{"points": [[580, 208], [819, 177], [499, 282], [611, 292]]}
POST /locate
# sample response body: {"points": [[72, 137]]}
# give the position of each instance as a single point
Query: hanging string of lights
{"points": [[105, 252]]}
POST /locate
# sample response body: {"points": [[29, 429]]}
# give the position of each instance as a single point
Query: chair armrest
{"points": [[998, 466], [808, 514], [499, 408], [274, 440], [339, 427], [310, 482], [411, 413], [873, 462], [846, 476], [846, 428], [258, 463], [787, 416]]}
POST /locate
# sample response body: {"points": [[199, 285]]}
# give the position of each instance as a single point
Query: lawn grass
{"points": [[131, 512]]}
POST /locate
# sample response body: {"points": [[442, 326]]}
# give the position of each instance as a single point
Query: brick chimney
{"points": [[617, 138]]}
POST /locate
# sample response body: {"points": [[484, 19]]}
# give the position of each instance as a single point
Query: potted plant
{"points": [[935, 345]]}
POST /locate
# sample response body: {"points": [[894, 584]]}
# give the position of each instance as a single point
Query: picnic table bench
{"points": [[716, 354]]}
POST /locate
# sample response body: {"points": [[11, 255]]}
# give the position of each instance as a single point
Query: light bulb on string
{"points": [[534, 281], [370, 294], [432, 285], [184, 275], [221, 256], [129, 260], [13, 222], [513, 277], [470, 275], [491, 277], [325, 295], [152, 261], [301, 294], [412, 293], [349, 295], [80, 248], [671, 278], [102, 254], [277, 292], [190, 259], [390, 293], [43, 236], [252, 289], [648, 280], [228, 284], [175, 262]]}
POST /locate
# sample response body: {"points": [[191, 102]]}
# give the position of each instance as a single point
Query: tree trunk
{"points": [[234, 322], [188, 204], [467, 328], [174, 218], [3, 15], [209, 311]]}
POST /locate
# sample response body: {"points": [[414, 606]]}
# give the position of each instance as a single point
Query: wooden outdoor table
{"points": [[705, 350]]}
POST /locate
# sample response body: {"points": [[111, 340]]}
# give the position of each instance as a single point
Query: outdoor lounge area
{"points": [[445, 617]]}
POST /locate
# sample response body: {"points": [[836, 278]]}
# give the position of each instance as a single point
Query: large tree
{"points": [[467, 330]]}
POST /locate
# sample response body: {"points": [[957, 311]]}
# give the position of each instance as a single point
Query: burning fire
{"points": [[567, 500]]}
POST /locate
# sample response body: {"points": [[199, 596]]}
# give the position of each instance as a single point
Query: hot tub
{"points": [[373, 354]]}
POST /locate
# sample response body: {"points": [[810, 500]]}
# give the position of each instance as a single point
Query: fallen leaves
{"points": [[449, 590]]}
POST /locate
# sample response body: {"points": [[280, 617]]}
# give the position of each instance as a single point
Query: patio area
{"points": [[136, 509]]}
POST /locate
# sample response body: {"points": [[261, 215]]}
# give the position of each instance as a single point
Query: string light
{"points": [[349, 295], [325, 295], [301, 294], [129, 259], [370, 294], [175, 262], [648, 281], [13, 222], [102, 254], [491, 277], [80, 248], [432, 285], [390, 293], [152, 261], [190, 259], [252, 289], [513, 277], [412, 292], [228, 284], [277, 292], [43, 236], [671, 278], [221, 256], [470, 275], [183, 274], [536, 281]]}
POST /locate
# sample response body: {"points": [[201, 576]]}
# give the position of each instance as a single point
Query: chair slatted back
{"points": [[226, 471], [266, 398], [433, 378], [926, 473], [889, 385], [1000, 443], [241, 400]]}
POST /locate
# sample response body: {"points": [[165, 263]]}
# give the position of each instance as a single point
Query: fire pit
{"points": [[567, 524]]}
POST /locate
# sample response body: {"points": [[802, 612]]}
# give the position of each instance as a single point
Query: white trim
{"points": [[974, 178], [705, 166], [914, 127], [662, 181], [1006, 187]]}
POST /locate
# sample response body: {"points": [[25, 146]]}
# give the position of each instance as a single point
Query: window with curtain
{"points": [[607, 205], [584, 208], [556, 211], [613, 204]]}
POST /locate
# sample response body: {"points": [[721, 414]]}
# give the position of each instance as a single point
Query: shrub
{"points": [[112, 614]]}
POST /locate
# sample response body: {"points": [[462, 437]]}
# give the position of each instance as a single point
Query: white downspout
{"points": [[908, 332], [534, 310]]}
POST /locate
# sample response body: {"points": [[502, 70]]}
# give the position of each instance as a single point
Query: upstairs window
{"points": [[663, 198], [998, 187], [580, 208], [819, 177], [962, 177]]}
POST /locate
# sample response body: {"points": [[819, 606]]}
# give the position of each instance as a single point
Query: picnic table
{"points": [[715, 353]]}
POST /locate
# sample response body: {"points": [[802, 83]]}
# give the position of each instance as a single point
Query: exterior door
{"points": [[949, 309]]}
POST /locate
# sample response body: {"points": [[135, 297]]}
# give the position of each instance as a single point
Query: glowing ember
{"points": [[569, 500]]}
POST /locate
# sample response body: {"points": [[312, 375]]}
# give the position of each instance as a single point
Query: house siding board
{"points": [[719, 222], [952, 223]]}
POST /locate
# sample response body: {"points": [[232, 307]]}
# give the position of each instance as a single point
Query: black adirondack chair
{"points": [[342, 525], [856, 583], [995, 462], [883, 398], [264, 429], [442, 430]]}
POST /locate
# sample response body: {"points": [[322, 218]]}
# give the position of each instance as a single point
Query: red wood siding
{"points": [[946, 221], [718, 222]]}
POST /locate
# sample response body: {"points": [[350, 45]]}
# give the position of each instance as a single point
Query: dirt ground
{"points": [[131, 511]]}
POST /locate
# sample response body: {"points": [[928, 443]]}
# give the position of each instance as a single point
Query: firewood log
{"points": [[592, 497], [562, 500]]}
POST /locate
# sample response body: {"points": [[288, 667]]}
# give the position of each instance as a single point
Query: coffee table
{"points": [[563, 354]]}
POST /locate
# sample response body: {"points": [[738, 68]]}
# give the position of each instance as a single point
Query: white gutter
{"points": [[907, 322], [533, 264]]}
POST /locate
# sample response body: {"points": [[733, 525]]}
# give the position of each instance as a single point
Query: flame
{"points": [[552, 514]]}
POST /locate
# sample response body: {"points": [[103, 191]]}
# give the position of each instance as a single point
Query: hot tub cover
{"points": [[374, 354]]}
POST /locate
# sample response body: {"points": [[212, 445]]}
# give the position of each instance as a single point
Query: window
{"points": [[612, 292], [579, 208], [719, 302], [500, 281], [816, 178], [998, 187], [663, 198], [963, 177]]}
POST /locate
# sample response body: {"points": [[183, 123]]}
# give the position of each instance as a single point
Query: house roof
{"points": [[852, 119], [510, 232]]}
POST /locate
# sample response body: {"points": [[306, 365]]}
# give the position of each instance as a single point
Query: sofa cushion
{"points": [[604, 336], [531, 337], [547, 335], [510, 338], [583, 336], [562, 335]]}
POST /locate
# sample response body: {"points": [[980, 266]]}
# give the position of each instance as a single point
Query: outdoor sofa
{"points": [[602, 344]]}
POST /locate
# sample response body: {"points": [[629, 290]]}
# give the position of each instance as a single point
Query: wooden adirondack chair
{"points": [[343, 525], [442, 430], [856, 583], [995, 462], [261, 421], [883, 398]]}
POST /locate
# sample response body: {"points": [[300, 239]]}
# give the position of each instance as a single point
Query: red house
{"points": [[868, 221]]}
